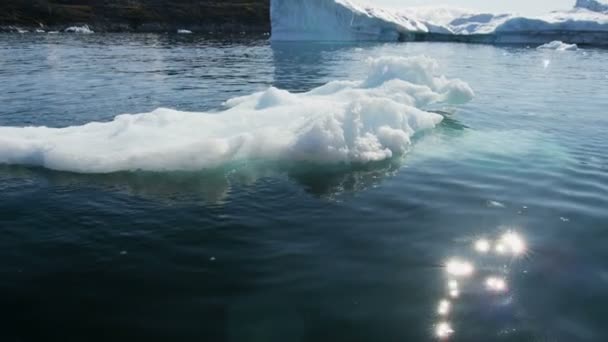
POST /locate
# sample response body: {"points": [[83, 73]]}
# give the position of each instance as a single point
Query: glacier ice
{"points": [[345, 20], [340, 122], [558, 46]]}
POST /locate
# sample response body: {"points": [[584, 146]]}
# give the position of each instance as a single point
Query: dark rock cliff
{"points": [[139, 15]]}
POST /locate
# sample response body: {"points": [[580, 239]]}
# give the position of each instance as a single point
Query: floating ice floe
{"points": [[495, 204], [558, 46], [358, 121]]}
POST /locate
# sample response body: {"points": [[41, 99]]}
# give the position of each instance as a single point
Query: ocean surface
{"points": [[493, 227]]}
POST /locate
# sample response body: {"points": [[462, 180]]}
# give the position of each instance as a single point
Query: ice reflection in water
{"points": [[508, 245]]}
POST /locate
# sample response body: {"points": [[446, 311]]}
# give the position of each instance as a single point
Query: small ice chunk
{"points": [[558, 46], [85, 29], [495, 204]]}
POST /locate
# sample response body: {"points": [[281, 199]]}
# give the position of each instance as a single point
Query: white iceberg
{"points": [[339, 20], [558, 46], [182, 31], [340, 122], [586, 23]]}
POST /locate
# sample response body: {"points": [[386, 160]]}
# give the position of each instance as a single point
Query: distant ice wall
{"points": [[345, 20], [337, 20]]}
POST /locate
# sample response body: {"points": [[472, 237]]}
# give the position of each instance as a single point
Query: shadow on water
{"points": [[214, 186]]}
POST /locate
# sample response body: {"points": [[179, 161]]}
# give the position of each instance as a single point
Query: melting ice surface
{"points": [[340, 122], [346, 20]]}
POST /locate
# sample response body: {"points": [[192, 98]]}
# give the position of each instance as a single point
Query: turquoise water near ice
{"points": [[266, 252]]}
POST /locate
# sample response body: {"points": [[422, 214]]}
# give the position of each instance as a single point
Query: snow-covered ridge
{"points": [[586, 23]]}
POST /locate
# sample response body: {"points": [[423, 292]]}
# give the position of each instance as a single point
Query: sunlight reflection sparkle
{"points": [[484, 270], [444, 307], [482, 246], [514, 243], [444, 330], [496, 284], [459, 268], [454, 293]]}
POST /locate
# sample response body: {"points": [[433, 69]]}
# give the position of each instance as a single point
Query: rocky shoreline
{"points": [[154, 16]]}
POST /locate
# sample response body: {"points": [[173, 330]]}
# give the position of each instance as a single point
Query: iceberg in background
{"points": [[337, 20], [345, 20], [558, 46]]}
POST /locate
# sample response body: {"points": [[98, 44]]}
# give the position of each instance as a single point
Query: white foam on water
{"points": [[341, 122], [85, 29], [558, 46]]}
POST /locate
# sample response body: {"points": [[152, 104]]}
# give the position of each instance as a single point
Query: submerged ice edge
{"points": [[357, 121]]}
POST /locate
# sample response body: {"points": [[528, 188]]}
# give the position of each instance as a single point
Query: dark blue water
{"points": [[271, 253]]}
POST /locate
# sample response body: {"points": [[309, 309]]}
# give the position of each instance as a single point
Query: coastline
{"points": [[145, 16]]}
